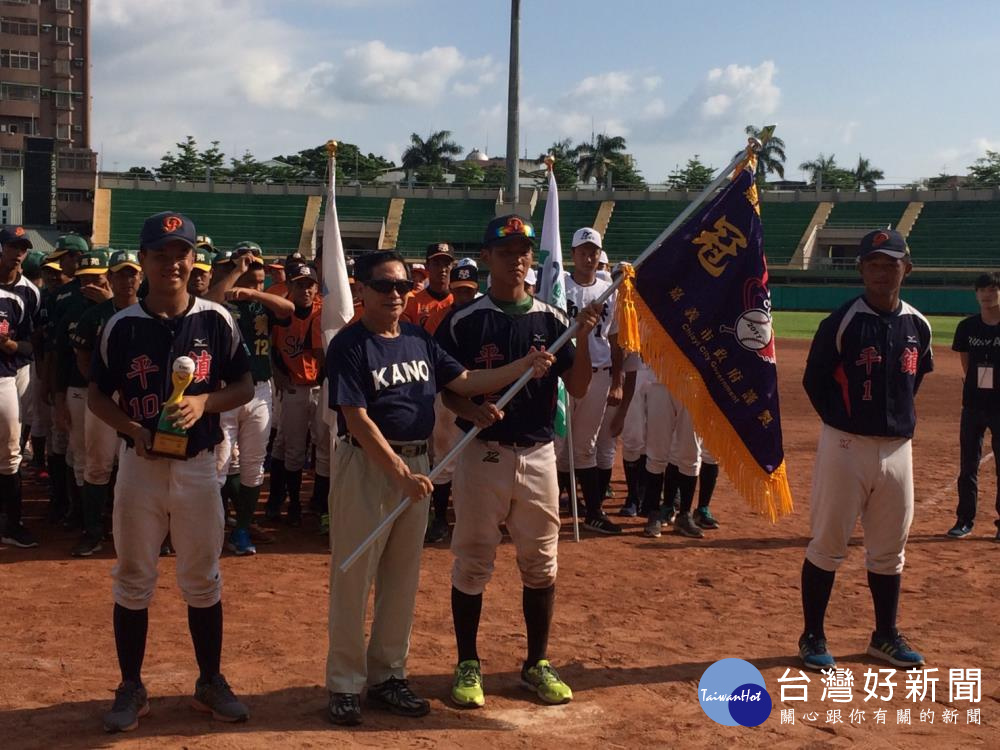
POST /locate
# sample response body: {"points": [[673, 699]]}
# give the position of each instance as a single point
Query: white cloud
{"points": [[849, 129], [650, 83], [611, 84]]}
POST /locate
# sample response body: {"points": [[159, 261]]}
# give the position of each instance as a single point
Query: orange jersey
{"points": [[278, 288], [420, 306], [436, 316], [295, 344]]}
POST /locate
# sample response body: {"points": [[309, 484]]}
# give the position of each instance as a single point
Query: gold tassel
{"points": [[766, 493], [628, 318]]}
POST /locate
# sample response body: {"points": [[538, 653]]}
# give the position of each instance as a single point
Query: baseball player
{"points": [[582, 288], [464, 286], [138, 351], [14, 247], [101, 443], [977, 339], [42, 430], [508, 475], [15, 344], [439, 259], [865, 366], [384, 374], [200, 280], [255, 312], [297, 354]]}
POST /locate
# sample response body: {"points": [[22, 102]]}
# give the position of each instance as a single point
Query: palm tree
{"points": [[437, 150], [594, 159], [820, 167], [771, 157], [865, 174]]}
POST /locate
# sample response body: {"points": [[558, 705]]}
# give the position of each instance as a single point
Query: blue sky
{"points": [[910, 85]]}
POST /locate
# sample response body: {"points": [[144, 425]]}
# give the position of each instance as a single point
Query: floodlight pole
{"points": [[513, 113]]}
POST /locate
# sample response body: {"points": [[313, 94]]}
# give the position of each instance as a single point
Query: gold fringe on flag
{"points": [[640, 331]]}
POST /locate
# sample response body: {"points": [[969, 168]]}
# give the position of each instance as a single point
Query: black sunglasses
{"points": [[384, 286]]}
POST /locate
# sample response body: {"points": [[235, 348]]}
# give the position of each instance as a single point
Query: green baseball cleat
{"points": [[544, 681], [467, 690]]}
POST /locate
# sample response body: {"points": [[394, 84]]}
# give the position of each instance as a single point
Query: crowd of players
{"points": [[60, 302]]}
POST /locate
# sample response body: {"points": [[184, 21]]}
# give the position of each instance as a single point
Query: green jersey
{"points": [[255, 321]]}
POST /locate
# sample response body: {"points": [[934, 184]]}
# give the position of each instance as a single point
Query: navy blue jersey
{"points": [[136, 354], [32, 299], [15, 324], [864, 369], [480, 336], [393, 379]]}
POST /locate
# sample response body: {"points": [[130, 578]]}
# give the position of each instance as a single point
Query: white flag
{"points": [[551, 284], [338, 307]]}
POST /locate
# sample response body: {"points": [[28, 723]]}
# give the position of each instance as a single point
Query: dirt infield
{"points": [[637, 623]]}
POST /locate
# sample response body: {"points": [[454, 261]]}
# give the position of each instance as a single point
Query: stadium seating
{"points": [[357, 208], [273, 221], [572, 216], [783, 225], [456, 220], [866, 215], [635, 224], [957, 234]]}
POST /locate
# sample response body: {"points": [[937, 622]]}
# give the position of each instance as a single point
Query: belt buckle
{"points": [[409, 451]]}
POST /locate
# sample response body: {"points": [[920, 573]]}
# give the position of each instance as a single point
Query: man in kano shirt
{"points": [[297, 351]]}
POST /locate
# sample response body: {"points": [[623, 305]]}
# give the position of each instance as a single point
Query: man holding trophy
{"points": [[175, 362]]}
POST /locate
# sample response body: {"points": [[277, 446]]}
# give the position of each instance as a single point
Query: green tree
{"points": [[213, 160], [140, 171], [310, 164], [247, 168], [941, 182], [865, 174], [825, 174], [431, 174], [624, 175], [770, 158], [469, 174], [494, 176], [437, 150], [186, 164], [694, 175], [597, 158], [986, 171], [564, 165]]}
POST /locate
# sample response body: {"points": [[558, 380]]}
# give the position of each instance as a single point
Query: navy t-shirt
{"points": [[393, 379], [981, 342]]}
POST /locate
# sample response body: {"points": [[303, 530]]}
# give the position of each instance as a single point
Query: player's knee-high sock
{"points": [[562, 479], [130, 640], [25, 436], [707, 478], [10, 497], [885, 596], [671, 486], [634, 474], [205, 624], [293, 482], [246, 505], [75, 518], [652, 489], [58, 497], [276, 488], [817, 584], [93, 499], [320, 502], [465, 612], [440, 497], [604, 478], [38, 452], [686, 486], [590, 484], [538, 605], [230, 492]]}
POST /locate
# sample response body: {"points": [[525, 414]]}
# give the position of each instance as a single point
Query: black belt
{"points": [[602, 369], [406, 450], [513, 443]]}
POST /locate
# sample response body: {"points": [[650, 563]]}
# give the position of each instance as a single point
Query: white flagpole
{"points": [[558, 344]]}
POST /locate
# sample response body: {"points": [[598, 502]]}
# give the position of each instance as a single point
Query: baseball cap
{"points": [[32, 263], [531, 277], [504, 228], [124, 258], [203, 258], [164, 227], [249, 248], [14, 235], [222, 257], [886, 241], [603, 258], [203, 240], [439, 248], [418, 267], [69, 243], [301, 271], [586, 234], [93, 262], [468, 262], [52, 265], [466, 276]]}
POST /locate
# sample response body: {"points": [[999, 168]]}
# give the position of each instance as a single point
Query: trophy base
{"points": [[170, 446]]}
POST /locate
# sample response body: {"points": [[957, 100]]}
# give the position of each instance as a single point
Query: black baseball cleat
{"points": [[344, 709], [394, 695], [89, 544], [603, 525], [131, 704], [214, 696], [19, 537], [960, 530]]}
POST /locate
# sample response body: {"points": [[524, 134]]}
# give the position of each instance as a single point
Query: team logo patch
{"points": [[202, 366], [753, 328], [464, 274], [908, 361], [19, 232], [140, 367], [869, 356], [4, 327], [489, 354], [880, 239], [172, 223]]}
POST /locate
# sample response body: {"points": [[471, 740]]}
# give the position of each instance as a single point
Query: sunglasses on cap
{"points": [[384, 286]]}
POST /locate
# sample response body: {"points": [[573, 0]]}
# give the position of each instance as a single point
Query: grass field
{"points": [[802, 325]]}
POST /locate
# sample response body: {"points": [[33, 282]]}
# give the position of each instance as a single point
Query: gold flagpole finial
{"points": [[549, 160], [331, 149]]}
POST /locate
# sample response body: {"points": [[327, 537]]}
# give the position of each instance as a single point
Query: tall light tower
{"points": [[513, 84]]}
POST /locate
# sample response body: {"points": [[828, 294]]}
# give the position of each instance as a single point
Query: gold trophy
{"points": [[171, 441]]}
